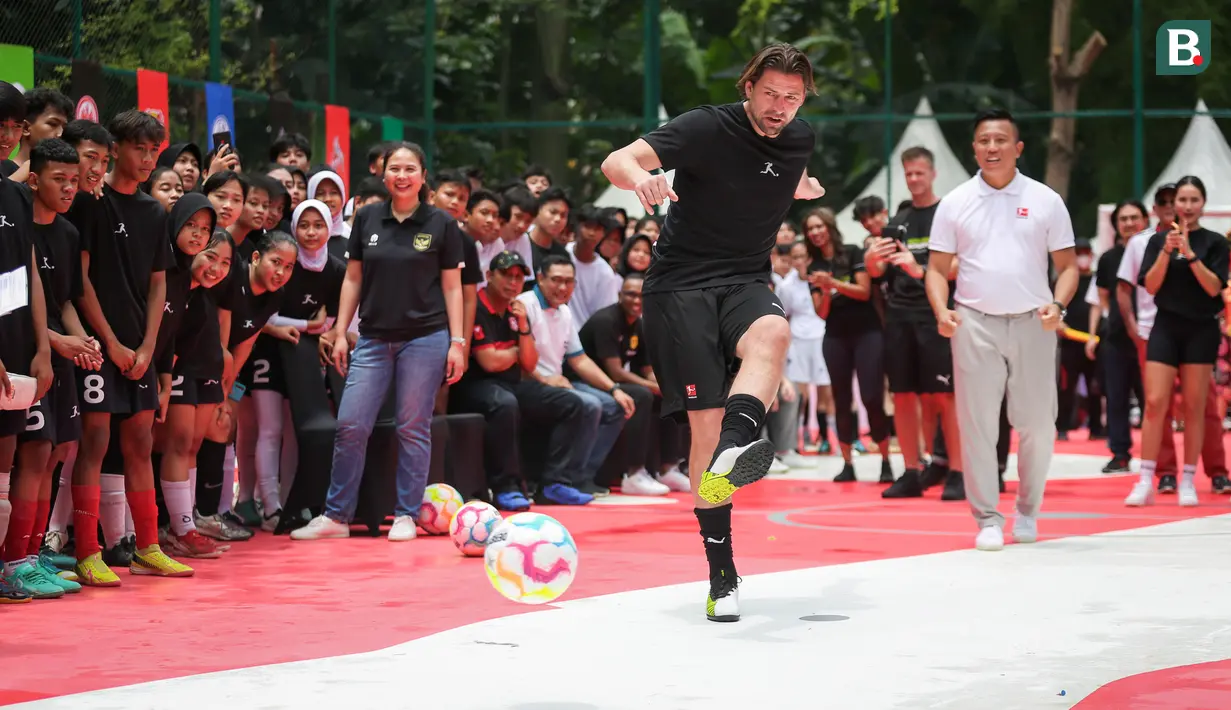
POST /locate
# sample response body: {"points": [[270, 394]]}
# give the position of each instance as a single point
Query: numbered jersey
{"points": [[57, 416]]}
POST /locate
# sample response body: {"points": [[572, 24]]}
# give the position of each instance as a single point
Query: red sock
{"points": [[21, 522], [144, 509], [42, 512], [85, 520]]}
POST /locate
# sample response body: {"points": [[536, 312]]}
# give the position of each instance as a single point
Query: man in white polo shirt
{"points": [[1002, 226]]}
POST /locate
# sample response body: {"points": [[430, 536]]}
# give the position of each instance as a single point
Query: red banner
{"points": [[152, 99], [337, 142]]}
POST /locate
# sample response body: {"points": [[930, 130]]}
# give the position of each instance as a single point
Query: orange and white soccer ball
{"points": [[472, 527], [440, 503]]}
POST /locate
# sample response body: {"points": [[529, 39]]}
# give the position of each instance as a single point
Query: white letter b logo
{"points": [[1182, 48]]}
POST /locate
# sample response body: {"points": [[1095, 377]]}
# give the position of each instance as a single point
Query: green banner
{"points": [[391, 129], [17, 65]]}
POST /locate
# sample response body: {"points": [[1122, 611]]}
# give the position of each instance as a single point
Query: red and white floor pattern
{"points": [[848, 602]]}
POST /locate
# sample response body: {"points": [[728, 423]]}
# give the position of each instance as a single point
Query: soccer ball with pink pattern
{"points": [[531, 558], [472, 527], [440, 503]]}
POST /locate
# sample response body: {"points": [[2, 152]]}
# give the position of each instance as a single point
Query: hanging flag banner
{"points": [[87, 89], [337, 142], [17, 66], [391, 129], [281, 116], [152, 99], [220, 111]]}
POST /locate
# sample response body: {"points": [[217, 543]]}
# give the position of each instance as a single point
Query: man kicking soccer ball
{"points": [[717, 335]]}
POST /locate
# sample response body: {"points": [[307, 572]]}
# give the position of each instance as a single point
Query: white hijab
{"points": [[339, 227], [309, 260]]}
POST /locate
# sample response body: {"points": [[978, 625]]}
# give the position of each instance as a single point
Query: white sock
{"points": [[62, 511], [1147, 472], [228, 481], [6, 508], [192, 484], [1188, 474], [268, 405], [178, 496], [111, 505]]}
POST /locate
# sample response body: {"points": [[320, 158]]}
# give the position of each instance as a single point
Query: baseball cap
{"points": [[507, 260], [1165, 187]]}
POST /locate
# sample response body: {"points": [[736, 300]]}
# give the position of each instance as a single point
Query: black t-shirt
{"points": [[735, 187], [307, 290], [497, 331], [126, 237], [179, 285], [57, 249], [401, 297], [1077, 315], [250, 312], [847, 316], [17, 344], [472, 275], [907, 297], [607, 334], [198, 345], [1181, 295], [337, 247], [1113, 329], [8, 167], [538, 253]]}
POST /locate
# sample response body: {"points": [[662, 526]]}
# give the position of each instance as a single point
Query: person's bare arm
{"points": [[1124, 301], [155, 302], [40, 366], [631, 164], [615, 370], [120, 354], [1067, 274]]}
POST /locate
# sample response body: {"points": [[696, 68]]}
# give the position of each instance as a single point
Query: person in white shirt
{"points": [[1002, 226], [483, 224], [805, 364], [517, 210], [598, 285]]}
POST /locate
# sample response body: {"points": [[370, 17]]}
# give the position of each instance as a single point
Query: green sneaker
{"points": [[249, 513], [32, 580], [53, 572], [58, 560]]}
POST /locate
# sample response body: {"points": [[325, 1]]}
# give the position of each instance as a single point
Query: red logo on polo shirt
{"points": [[478, 332], [1022, 213], [691, 391]]}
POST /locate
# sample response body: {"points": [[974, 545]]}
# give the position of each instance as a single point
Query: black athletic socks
{"points": [[209, 476], [822, 426], [716, 534], [740, 424]]}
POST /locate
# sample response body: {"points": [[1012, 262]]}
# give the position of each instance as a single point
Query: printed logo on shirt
{"points": [[308, 300], [373, 239], [769, 170], [166, 307], [478, 332], [691, 391], [633, 342], [122, 230], [76, 413], [1023, 212], [47, 265], [248, 324], [210, 382], [513, 323], [423, 241], [4, 221]]}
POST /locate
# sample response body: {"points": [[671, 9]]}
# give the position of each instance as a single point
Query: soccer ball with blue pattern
{"points": [[440, 503], [531, 558], [472, 527]]}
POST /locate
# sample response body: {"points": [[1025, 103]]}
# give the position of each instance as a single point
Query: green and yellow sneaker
{"points": [[735, 468], [31, 579], [723, 602]]}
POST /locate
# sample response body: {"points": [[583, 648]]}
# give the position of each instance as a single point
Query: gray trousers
{"points": [[995, 356], [783, 425]]}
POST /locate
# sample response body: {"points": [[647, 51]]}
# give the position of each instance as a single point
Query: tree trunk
{"points": [[549, 146], [1067, 72]]}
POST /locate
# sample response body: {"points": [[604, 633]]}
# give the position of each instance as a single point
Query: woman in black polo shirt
{"points": [[404, 277], [1185, 269], [842, 293]]}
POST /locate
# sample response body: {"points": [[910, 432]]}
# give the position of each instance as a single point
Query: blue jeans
{"points": [[605, 420], [417, 369]]}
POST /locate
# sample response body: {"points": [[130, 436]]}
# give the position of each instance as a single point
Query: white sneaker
{"points": [[990, 539], [642, 483], [403, 529], [778, 467], [722, 604], [675, 480], [1187, 492], [1142, 494], [321, 528], [1025, 528], [794, 460]]}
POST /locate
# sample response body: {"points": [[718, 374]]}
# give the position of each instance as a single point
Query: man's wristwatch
{"points": [[1063, 311], [459, 341], [614, 388]]}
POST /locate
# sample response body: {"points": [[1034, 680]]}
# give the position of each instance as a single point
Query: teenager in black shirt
{"points": [[1185, 269], [550, 222], [53, 422], [309, 307], [404, 277], [451, 193], [842, 295], [124, 261], [47, 112], [708, 307], [1074, 363]]}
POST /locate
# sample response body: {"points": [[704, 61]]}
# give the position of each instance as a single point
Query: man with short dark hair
{"points": [[537, 179], [551, 214], [47, 112], [709, 311], [291, 149]]}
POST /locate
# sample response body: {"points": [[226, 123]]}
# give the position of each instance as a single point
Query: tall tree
{"points": [[1067, 72]]}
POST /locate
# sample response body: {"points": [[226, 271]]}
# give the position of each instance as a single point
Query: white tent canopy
{"points": [[1202, 152], [919, 132], [627, 199]]}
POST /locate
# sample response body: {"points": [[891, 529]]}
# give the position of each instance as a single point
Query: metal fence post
{"points": [[889, 102], [215, 40], [333, 51], [652, 79], [1139, 129], [429, 81]]}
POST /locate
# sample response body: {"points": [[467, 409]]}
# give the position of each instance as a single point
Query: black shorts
{"points": [[1176, 341], [109, 391], [691, 338], [918, 359], [193, 391], [57, 416], [263, 370], [12, 422]]}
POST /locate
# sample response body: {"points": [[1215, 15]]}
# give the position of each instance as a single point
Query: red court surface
{"points": [[272, 600], [1205, 686]]}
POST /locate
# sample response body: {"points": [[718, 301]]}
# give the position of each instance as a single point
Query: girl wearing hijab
{"points": [[327, 187], [309, 307], [635, 255], [185, 159]]}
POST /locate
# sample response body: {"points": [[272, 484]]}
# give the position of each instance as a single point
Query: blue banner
{"points": [[221, 112]]}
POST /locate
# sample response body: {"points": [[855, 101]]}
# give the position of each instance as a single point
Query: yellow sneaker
{"points": [[153, 561], [93, 572], [735, 468]]}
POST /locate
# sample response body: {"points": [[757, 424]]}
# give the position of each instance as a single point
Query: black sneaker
{"points": [[594, 489], [933, 474], [907, 486], [1221, 485], [955, 487], [723, 601], [1117, 465], [847, 475], [1166, 484], [121, 553], [886, 472]]}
